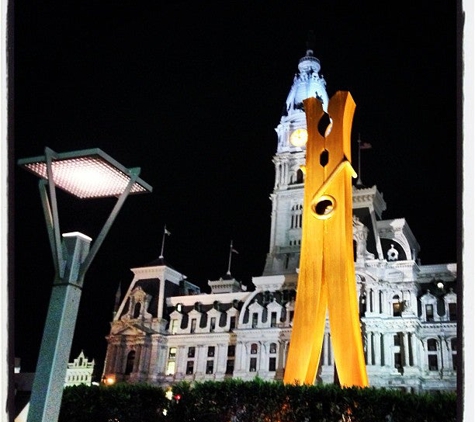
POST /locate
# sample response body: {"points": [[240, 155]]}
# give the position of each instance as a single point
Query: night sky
{"points": [[191, 92]]}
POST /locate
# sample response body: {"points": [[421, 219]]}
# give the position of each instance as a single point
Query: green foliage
{"points": [[120, 403], [252, 401]]}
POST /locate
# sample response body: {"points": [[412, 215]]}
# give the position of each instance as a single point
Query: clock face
{"points": [[298, 138]]}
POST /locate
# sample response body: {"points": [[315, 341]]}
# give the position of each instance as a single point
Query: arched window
{"points": [[254, 348], [273, 348], [130, 362], [137, 310], [299, 176]]}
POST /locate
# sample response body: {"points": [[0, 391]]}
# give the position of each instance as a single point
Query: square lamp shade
{"points": [[87, 173]]}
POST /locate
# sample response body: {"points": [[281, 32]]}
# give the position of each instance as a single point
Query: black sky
{"points": [[191, 92]]}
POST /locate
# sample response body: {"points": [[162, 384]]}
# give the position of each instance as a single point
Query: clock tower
{"points": [[287, 196]]}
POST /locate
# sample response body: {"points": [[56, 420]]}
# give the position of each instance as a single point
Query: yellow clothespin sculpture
{"points": [[327, 275]]}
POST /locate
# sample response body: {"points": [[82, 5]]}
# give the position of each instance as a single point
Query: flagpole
{"points": [[163, 240], [230, 257]]}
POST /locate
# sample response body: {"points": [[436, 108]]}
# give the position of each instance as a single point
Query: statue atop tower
{"points": [[307, 83]]}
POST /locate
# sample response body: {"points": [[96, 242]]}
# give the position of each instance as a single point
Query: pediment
{"points": [[132, 328]]}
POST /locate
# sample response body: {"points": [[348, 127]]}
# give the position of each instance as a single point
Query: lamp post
{"points": [[85, 174]]}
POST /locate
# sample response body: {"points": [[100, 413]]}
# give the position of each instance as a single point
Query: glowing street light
{"points": [[85, 174]]}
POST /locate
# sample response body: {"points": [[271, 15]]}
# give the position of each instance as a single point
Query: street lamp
{"points": [[85, 174]]}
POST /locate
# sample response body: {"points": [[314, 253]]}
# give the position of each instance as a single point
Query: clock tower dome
{"points": [[287, 197]]}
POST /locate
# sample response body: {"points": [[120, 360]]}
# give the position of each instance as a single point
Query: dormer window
{"points": [[255, 317], [429, 312]]}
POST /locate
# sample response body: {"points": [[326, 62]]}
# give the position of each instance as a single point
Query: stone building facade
{"points": [[165, 330]]}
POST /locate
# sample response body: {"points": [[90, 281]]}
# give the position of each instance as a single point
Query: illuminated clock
{"points": [[298, 137]]}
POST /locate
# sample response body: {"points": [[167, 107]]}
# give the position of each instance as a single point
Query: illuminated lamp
{"points": [[84, 174]]}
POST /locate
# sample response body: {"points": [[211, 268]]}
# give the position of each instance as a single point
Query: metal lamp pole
{"points": [[72, 257]]}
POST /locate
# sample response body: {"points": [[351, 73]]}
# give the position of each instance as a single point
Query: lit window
{"points": [[172, 353], [171, 367], [174, 326], [397, 306]]}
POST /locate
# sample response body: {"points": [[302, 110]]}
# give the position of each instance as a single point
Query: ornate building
{"points": [[166, 330], [79, 371]]}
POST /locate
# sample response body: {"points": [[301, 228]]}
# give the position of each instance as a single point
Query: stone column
{"points": [[281, 345], [388, 352], [446, 361], [201, 357], [415, 350], [144, 363], [180, 362], [222, 354], [331, 358], [162, 359], [153, 358], [111, 357], [138, 350], [377, 348], [405, 346], [369, 348], [261, 356], [240, 354]]}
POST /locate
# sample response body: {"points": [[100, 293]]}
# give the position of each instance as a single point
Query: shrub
{"points": [[252, 401]]}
